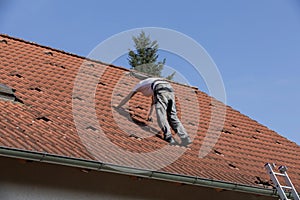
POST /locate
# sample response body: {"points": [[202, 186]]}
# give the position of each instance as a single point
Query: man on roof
{"points": [[163, 99]]}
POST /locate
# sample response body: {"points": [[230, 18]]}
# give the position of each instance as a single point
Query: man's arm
{"points": [[149, 118], [127, 98]]}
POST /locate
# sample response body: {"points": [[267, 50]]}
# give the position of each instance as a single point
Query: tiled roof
{"points": [[65, 109]]}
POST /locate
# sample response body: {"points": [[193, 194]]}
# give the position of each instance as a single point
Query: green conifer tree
{"points": [[144, 58]]}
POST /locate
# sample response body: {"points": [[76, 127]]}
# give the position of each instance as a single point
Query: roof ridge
{"points": [[89, 59], [59, 50]]}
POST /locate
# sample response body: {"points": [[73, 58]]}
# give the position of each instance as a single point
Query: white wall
{"points": [[20, 180]]}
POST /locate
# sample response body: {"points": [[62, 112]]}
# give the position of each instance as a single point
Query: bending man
{"points": [[163, 98]]}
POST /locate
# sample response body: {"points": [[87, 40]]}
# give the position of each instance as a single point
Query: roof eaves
{"points": [[106, 167]]}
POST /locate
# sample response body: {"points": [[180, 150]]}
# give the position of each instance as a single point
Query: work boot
{"points": [[170, 140], [185, 141]]}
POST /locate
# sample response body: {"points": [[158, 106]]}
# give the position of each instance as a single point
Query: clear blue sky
{"points": [[254, 43]]}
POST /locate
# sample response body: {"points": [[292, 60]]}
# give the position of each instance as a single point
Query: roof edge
{"points": [[89, 59], [61, 51], [106, 167]]}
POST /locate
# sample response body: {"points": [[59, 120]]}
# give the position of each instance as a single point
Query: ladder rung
{"points": [[279, 174], [286, 187]]}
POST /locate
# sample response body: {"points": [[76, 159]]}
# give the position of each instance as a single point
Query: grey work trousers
{"points": [[166, 111]]}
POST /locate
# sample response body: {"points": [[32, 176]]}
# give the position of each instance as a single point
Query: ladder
{"points": [[281, 189]]}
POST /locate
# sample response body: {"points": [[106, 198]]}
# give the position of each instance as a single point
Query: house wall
{"points": [[21, 180]]}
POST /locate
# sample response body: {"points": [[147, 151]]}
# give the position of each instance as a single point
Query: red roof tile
{"points": [[60, 116]]}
